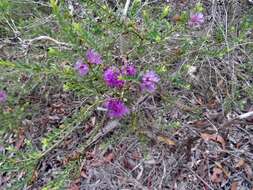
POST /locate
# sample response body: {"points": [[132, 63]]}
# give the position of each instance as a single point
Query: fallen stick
{"points": [[47, 38], [239, 117]]}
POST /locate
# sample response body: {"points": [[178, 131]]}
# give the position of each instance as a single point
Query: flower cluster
{"points": [[196, 20], [112, 77], [3, 96], [116, 108], [81, 68], [92, 57], [149, 81], [115, 77], [129, 70]]}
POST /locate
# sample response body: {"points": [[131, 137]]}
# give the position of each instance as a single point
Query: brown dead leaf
{"points": [[248, 171], [199, 123], [234, 185], [83, 174], [217, 176], [34, 176], [109, 157], [240, 163], [75, 185], [227, 174], [71, 157], [176, 18], [21, 138], [128, 164], [214, 137], [165, 140], [136, 156], [200, 100], [183, 1], [212, 104], [220, 83]]}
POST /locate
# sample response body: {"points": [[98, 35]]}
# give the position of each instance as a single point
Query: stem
{"points": [[123, 18]]}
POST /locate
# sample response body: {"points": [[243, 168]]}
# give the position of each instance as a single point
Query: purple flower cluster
{"points": [[112, 77], [92, 57], [81, 68], [149, 81], [116, 108], [196, 20], [129, 70], [3, 96], [115, 77]]}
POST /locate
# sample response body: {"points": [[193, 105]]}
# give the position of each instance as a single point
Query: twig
{"points": [[245, 115], [47, 38], [124, 14], [163, 176], [239, 117], [123, 18], [200, 178], [102, 133]]}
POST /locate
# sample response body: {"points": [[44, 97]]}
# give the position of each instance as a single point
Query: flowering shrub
{"points": [[114, 78], [85, 50]]}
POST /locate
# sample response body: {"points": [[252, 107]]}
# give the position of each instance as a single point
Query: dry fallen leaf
{"points": [[199, 123], [248, 171], [234, 185], [240, 163], [21, 138], [128, 164], [227, 173], [217, 176], [136, 156], [176, 18], [109, 157], [183, 1], [213, 137], [166, 140], [200, 100], [212, 104], [75, 185]]}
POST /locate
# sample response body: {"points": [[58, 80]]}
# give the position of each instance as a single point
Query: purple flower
{"points": [[116, 108], [81, 68], [112, 77], [3, 96], [196, 19], [149, 81], [129, 70], [93, 57]]}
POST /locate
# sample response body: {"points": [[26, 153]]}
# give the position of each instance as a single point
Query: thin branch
{"points": [[123, 18], [239, 117], [47, 38], [200, 178]]}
